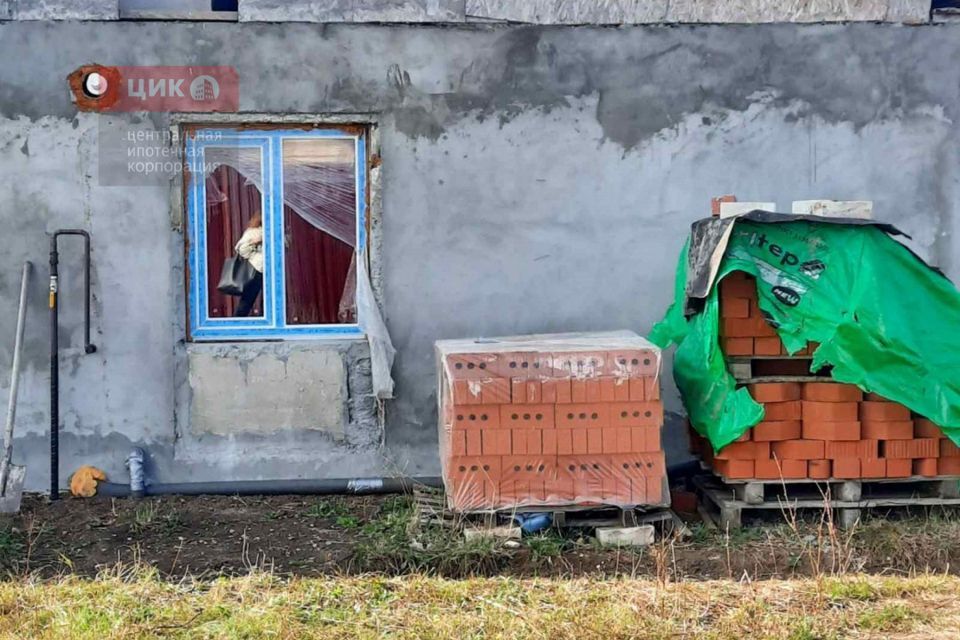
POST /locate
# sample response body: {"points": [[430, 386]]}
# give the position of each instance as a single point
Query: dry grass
{"points": [[134, 603]]}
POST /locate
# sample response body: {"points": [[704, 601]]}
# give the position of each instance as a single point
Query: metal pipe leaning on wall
{"points": [[88, 347], [358, 486]]}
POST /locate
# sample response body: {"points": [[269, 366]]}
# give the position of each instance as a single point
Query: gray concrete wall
{"points": [[534, 179]]}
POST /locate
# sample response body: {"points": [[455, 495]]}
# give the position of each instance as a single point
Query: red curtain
{"points": [[231, 201], [316, 270]]}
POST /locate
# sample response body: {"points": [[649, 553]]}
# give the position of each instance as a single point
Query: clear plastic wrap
{"points": [[551, 420]]}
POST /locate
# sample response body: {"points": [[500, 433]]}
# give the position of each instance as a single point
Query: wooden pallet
{"points": [[751, 369], [433, 507], [727, 501]]}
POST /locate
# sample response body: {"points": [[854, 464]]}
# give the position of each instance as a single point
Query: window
{"points": [[292, 204]]}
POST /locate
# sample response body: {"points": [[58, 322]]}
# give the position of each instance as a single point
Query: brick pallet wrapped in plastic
{"points": [[551, 420]]}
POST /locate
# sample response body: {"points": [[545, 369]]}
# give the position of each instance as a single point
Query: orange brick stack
{"points": [[556, 420], [827, 430], [743, 330]]}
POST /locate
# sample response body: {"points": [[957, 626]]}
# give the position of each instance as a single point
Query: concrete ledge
{"points": [[351, 11], [60, 10]]}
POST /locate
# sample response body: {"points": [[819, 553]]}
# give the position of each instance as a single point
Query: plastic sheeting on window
{"points": [[323, 194], [381, 347]]}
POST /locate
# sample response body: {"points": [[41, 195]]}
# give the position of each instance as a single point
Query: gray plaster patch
{"points": [[244, 391]]}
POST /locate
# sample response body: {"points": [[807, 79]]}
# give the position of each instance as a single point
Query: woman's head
{"points": [[256, 220]]}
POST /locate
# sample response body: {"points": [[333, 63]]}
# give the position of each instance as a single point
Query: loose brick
{"points": [[775, 391], [899, 468], [819, 469], [518, 390], [846, 468], [948, 467], [926, 467], [745, 437], [916, 448], [734, 469], [781, 430], [635, 414], [774, 469], [883, 411], [744, 451], [731, 307], [476, 417], [873, 468], [548, 391], [798, 449], [875, 397], [829, 411], [768, 346], [831, 392], [782, 411], [923, 428], [901, 430], [621, 390], [855, 449], [632, 364], [565, 440], [814, 430], [527, 416], [737, 346], [458, 443]]}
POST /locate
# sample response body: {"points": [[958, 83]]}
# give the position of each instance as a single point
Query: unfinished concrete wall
{"points": [[534, 179]]}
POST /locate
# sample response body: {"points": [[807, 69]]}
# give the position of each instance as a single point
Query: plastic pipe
{"points": [[275, 487]]}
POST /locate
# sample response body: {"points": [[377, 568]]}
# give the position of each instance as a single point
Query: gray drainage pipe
{"points": [[274, 487]]}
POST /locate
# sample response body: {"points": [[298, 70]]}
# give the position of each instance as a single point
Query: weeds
{"points": [[12, 548], [150, 516], [396, 541], [335, 507]]}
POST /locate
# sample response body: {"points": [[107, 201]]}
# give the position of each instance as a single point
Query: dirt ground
{"points": [[316, 536]]}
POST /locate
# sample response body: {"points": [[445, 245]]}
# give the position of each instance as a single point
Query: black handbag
{"points": [[236, 274]]}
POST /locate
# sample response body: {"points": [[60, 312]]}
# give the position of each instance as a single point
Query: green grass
{"points": [[132, 603]]}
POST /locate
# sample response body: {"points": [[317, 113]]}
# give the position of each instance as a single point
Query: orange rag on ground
{"points": [[83, 482]]}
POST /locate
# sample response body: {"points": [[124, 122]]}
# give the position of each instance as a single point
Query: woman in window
{"points": [[250, 248]]}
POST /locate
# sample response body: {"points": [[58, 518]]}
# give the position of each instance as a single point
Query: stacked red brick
{"points": [[825, 430], [551, 420], [816, 430], [743, 331]]}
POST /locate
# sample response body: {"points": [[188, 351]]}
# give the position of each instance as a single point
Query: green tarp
{"points": [[885, 321]]}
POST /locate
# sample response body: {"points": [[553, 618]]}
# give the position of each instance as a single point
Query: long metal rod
{"points": [[14, 381], [88, 347]]}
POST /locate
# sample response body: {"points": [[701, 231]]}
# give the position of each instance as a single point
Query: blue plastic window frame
{"points": [[272, 324]]}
